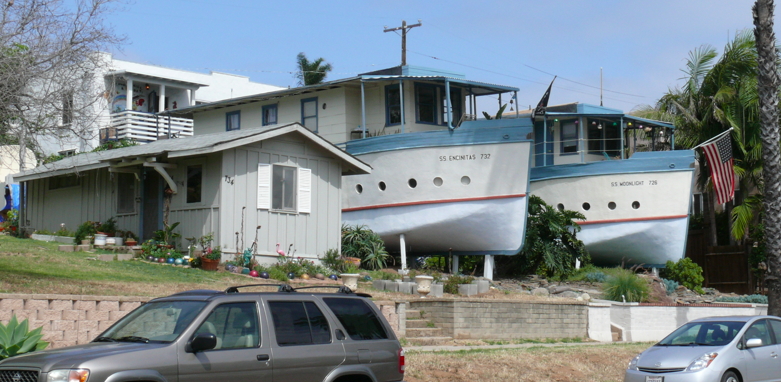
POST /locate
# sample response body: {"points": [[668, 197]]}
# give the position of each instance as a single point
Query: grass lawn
{"points": [[537, 363], [31, 266]]}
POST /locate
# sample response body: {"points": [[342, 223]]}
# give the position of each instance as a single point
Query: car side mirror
{"points": [[201, 342], [753, 343]]}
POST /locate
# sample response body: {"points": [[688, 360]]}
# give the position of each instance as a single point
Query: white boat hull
{"points": [[461, 199], [632, 218]]}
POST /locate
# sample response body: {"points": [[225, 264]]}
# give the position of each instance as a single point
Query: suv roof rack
{"points": [[281, 287], [196, 292], [285, 288]]}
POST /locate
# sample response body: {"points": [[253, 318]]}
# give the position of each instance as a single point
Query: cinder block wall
{"points": [[481, 319], [75, 319]]}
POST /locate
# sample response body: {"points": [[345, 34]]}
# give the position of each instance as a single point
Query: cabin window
{"points": [[569, 137], [233, 120], [309, 113], [63, 181], [455, 105], [604, 137], [283, 188], [194, 183], [426, 103], [269, 115], [392, 105], [126, 193]]}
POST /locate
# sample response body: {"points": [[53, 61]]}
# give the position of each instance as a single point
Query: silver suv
{"points": [[206, 335]]}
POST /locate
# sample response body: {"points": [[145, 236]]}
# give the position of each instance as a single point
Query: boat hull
{"points": [[464, 198], [637, 210]]}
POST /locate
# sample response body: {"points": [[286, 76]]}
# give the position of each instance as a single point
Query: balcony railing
{"points": [[145, 127]]}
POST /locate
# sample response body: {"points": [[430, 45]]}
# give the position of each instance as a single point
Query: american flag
{"points": [[719, 155]]}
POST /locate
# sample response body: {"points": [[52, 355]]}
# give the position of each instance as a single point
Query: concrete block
{"points": [[74, 315], [66, 248], [378, 284], [392, 286], [87, 325], [116, 315], [128, 305], [106, 257], [467, 289], [36, 305], [124, 257], [63, 325], [84, 305], [12, 304], [98, 315], [108, 305], [405, 287], [83, 247], [49, 315], [482, 285], [61, 304]]}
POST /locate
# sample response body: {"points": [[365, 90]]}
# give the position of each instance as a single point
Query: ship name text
{"points": [[651, 182], [463, 157]]}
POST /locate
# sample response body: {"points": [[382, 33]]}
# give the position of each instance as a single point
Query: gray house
{"points": [[285, 179]]}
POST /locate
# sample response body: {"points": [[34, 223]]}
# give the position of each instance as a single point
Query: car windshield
{"points": [[705, 333], [153, 322]]}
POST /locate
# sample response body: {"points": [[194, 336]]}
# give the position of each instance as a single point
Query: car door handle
{"points": [[263, 357], [773, 355]]}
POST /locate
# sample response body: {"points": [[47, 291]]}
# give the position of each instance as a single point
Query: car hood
{"points": [[76, 356], [673, 356]]}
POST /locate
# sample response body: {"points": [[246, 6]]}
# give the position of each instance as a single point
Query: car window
{"points": [[358, 319], [776, 326], [759, 330], [155, 321], [704, 333], [299, 323], [235, 325]]}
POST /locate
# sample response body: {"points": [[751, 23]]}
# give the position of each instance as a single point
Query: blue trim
{"points": [[265, 122], [388, 88], [642, 162], [317, 125], [228, 115]]}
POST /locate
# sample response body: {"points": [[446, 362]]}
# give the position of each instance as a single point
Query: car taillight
{"points": [[401, 361]]}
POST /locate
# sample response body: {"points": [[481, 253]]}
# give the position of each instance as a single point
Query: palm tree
{"points": [[311, 73], [767, 85]]}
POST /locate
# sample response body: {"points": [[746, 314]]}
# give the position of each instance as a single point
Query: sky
{"points": [[641, 46]]}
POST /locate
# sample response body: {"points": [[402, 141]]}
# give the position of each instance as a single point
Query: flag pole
{"points": [[712, 139]]}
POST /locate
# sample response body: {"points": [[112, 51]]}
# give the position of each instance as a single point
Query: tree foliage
{"points": [[48, 65], [311, 72], [552, 245]]}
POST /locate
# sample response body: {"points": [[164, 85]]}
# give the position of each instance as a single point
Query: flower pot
{"points": [[118, 241], [350, 280], [100, 239], [130, 242], [209, 265], [424, 284]]}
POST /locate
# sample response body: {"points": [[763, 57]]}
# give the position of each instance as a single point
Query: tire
{"points": [[730, 376]]}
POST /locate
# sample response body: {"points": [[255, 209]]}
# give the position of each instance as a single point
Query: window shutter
{"points": [[304, 190], [264, 186]]}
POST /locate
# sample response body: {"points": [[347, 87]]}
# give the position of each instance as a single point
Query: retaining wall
{"points": [[75, 319]]}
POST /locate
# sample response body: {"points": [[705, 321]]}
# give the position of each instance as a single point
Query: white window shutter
{"points": [[304, 190], [264, 186]]}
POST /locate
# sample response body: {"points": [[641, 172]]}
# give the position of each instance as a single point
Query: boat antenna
{"points": [[600, 87], [403, 28]]}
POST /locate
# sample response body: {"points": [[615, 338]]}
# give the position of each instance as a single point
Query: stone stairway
{"points": [[423, 332]]}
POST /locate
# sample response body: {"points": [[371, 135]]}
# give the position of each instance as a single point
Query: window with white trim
{"points": [[284, 188], [269, 115], [309, 113]]}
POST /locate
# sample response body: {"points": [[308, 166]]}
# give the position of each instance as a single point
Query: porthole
{"points": [[412, 183], [586, 206], [560, 207], [358, 188], [611, 205], [635, 204], [438, 181], [382, 186], [465, 180]]}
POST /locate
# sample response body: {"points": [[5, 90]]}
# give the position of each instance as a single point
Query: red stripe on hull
{"points": [[432, 202], [632, 219]]}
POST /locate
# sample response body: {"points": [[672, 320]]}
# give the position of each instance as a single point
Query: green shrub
{"points": [[15, 338], [277, 273], [361, 242], [670, 286], [334, 261], [109, 227], [451, 284], [751, 299], [382, 275], [87, 228], [595, 277], [686, 272], [627, 285]]}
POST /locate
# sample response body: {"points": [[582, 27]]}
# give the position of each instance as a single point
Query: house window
{"points": [[126, 193], [269, 115], [283, 188], [426, 103], [63, 181], [67, 153], [309, 113], [569, 137], [67, 108], [194, 183], [233, 120], [392, 105]]}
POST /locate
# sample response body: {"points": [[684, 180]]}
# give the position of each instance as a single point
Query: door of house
{"points": [[152, 204], [543, 145]]}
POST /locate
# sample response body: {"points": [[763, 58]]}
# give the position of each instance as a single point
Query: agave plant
{"points": [[15, 339]]}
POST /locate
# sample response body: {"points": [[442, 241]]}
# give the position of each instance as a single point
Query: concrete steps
{"points": [[428, 341], [417, 324], [423, 332]]}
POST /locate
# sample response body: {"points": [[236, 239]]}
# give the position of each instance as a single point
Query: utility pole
{"points": [[403, 28]]}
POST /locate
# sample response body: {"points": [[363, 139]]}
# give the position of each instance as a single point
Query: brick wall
{"points": [[74, 319], [481, 319]]}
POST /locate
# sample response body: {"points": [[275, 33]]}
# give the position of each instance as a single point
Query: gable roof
{"points": [[189, 146]]}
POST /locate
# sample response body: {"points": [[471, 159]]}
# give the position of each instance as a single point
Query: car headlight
{"points": [[68, 375], [702, 362], [633, 363]]}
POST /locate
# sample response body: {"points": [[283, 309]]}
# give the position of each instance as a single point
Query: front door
{"points": [[543, 144], [152, 204]]}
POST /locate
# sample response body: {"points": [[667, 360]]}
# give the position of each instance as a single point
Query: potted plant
{"points": [[211, 259]]}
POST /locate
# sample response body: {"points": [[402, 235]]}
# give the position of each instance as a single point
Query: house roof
{"points": [[187, 146], [153, 78]]}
